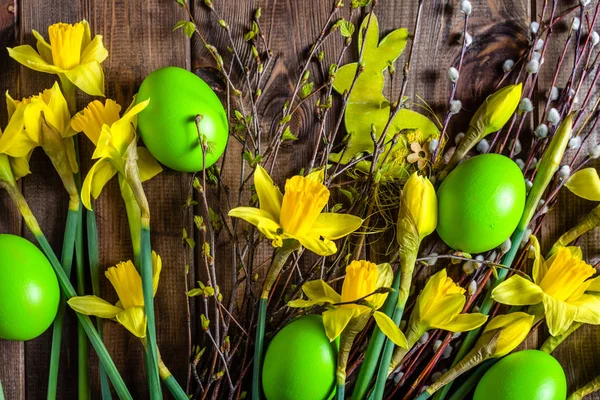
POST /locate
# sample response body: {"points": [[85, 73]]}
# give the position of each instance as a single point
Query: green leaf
{"points": [[189, 29], [288, 135], [347, 29], [199, 222], [181, 2], [195, 292], [360, 3], [258, 13], [337, 207], [224, 24], [179, 24], [205, 322], [306, 90], [215, 219]]}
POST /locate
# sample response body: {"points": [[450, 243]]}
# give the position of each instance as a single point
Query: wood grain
{"points": [[139, 39], [12, 369]]}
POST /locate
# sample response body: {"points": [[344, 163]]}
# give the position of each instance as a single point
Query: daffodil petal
{"points": [[539, 266], [318, 245], [43, 47], [585, 184], [588, 309], [94, 51], [334, 226], [464, 322], [336, 320], [559, 315], [147, 164], [94, 116], [320, 292], [517, 291], [88, 77], [259, 218], [93, 305], [594, 285], [28, 57], [269, 195], [71, 154], [134, 320], [100, 173], [385, 278], [452, 306], [390, 329], [156, 269]]}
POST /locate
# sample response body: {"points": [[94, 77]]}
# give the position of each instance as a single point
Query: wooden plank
{"points": [[12, 353], [48, 200], [139, 40], [578, 354]]}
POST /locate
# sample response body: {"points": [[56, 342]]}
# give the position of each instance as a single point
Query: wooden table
{"points": [[139, 38]]}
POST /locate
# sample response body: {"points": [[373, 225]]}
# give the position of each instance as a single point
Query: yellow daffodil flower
{"points": [[361, 295], [439, 306], [71, 53], [19, 167], [497, 109], [420, 198], [560, 285], [506, 332], [42, 120], [129, 310], [297, 213], [585, 184], [115, 138]]}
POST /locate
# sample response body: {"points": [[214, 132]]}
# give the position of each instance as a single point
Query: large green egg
{"points": [[29, 292], [168, 124], [300, 362], [525, 375], [480, 203]]}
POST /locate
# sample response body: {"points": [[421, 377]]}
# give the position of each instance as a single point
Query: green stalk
{"points": [[57, 327], [547, 167], [281, 256], [258, 349], [148, 290], [175, 388], [1, 392], [554, 341], [407, 264], [591, 387], [83, 368], [134, 218], [340, 391], [367, 368], [7, 181], [94, 261]]}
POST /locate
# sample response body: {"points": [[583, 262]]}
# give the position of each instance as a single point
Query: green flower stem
{"points": [[413, 334], [407, 266], [281, 256], [367, 368], [591, 387], [83, 368], [588, 223], [66, 287], [57, 327], [554, 341], [94, 261], [1, 392], [340, 391], [148, 290], [471, 382]]}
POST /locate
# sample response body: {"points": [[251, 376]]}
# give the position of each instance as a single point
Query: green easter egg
{"points": [[525, 375], [300, 362], [168, 124], [29, 290], [480, 203]]}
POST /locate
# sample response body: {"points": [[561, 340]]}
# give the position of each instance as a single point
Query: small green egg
{"points": [[525, 375], [28, 289], [300, 362], [480, 203], [168, 124]]}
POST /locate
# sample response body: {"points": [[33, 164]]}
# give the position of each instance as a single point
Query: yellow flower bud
{"points": [[497, 109], [508, 331], [420, 198]]}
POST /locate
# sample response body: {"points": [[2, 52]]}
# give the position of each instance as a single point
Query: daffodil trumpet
{"points": [[501, 336], [129, 311], [8, 182], [417, 218], [547, 167], [364, 291]]}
